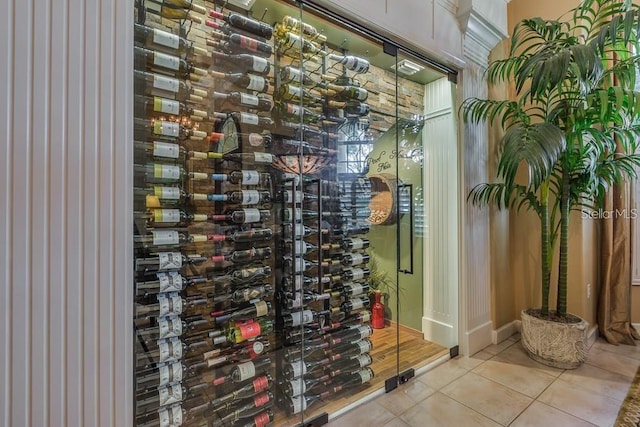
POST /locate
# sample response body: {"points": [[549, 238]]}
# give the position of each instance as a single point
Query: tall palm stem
{"points": [[565, 210], [546, 252]]}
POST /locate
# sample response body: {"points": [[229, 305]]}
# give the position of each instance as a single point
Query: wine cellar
{"points": [[257, 188]]}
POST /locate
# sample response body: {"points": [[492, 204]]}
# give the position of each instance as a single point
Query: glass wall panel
{"points": [[278, 213]]}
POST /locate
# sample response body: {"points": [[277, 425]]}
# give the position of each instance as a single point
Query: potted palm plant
{"points": [[574, 124]]}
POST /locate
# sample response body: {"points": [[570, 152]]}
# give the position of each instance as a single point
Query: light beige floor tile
{"points": [[523, 379], [443, 374], [405, 396], [497, 348], [625, 350], [370, 414], [598, 380], [539, 415], [491, 399], [517, 355], [470, 362], [612, 362], [396, 422], [439, 410], [582, 403]]}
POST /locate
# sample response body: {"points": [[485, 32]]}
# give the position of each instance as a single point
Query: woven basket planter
{"points": [[556, 344]]}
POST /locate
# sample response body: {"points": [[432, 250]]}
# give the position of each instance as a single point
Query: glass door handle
{"points": [[409, 200]]}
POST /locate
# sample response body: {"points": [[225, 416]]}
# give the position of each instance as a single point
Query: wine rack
{"points": [[251, 299]]}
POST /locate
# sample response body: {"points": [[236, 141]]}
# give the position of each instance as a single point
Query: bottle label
{"points": [[249, 330], [364, 360], [295, 75], [166, 149], [263, 158], [170, 374], [366, 316], [170, 394], [262, 309], [156, 7], [301, 247], [260, 384], [170, 282], [168, 193], [297, 302], [170, 417], [299, 282], [256, 348], [255, 139], [357, 304], [297, 387], [166, 83], [293, 109], [250, 177], [256, 83], [166, 39], [356, 289], [169, 260], [293, 41], [251, 215], [250, 197], [298, 368], [165, 237], [249, 119], [164, 105], [260, 400], [166, 128], [364, 346], [294, 91], [357, 259], [357, 243], [357, 273], [302, 317], [248, 99], [246, 370], [262, 419], [166, 61], [169, 327], [299, 404], [259, 65], [170, 304], [166, 171], [249, 43], [365, 375], [170, 350], [166, 215]]}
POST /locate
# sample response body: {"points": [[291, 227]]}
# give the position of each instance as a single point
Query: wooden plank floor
{"points": [[414, 352]]}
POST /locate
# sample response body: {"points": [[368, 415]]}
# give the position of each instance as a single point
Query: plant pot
{"points": [[556, 344]]}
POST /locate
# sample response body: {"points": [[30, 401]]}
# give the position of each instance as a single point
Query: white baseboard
{"points": [[477, 339], [592, 335], [438, 332], [504, 332]]}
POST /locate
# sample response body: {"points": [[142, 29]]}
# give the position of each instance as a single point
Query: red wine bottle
{"points": [[301, 367], [354, 379], [259, 384], [351, 365], [164, 261], [247, 100], [255, 158], [300, 386], [350, 350], [244, 23], [354, 304], [163, 40], [243, 177], [303, 402], [167, 282], [243, 236], [146, 59], [234, 42], [242, 216], [150, 83], [257, 309], [245, 371], [355, 259], [243, 62], [144, 129], [156, 105], [244, 81], [243, 197], [244, 256]]}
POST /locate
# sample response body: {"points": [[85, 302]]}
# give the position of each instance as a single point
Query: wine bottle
{"points": [[243, 331], [301, 403], [351, 365], [162, 217], [300, 247], [257, 309], [353, 63], [164, 261], [169, 327], [350, 350], [297, 352], [291, 44], [351, 244], [260, 420], [243, 62], [304, 317], [355, 273], [255, 158], [350, 289], [161, 239], [245, 371], [355, 259], [352, 230], [300, 386], [258, 28], [243, 177], [295, 111], [163, 40], [347, 93], [353, 304], [255, 102], [243, 197], [291, 24], [234, 42], [159, 150], [244, 275], [298, 263], [244, 81], [300, 367], [167, 351], [173, 415], [287, 214], [351, 108], [167, 282], [158, 196], [149, 83], [175, 9], [259, 384], [290, 74], [243, 236], [252, 119], [355, 379], [243, 216], [350, 335], [302, 300], [154, 105], [244, 256], [144, 128], [289, 92], [168, 305], [147, 59], [246, 294], [252, 408]]}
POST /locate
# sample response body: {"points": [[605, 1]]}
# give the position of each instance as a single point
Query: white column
{"points": [[485, 24], [65, 213]]}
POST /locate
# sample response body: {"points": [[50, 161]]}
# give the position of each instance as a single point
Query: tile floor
{"points": [[502, 386]]}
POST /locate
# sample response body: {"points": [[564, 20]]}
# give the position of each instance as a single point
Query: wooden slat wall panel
{"points": [[65, 213]]}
